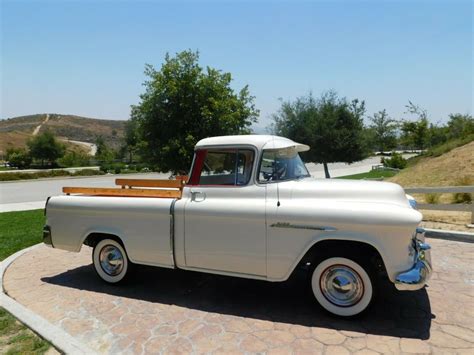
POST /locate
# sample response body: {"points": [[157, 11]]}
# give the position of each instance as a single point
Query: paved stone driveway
{"points": [[182, 312]]}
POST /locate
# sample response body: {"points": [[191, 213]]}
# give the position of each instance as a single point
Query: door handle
{"points": [[198, 196]]}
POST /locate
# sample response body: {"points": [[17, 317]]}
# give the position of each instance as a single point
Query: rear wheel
{"points": [[342, 286], [110, 261]]}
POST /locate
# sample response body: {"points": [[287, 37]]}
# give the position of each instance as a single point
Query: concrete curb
{"points": [[55, 335], [455, 236]]}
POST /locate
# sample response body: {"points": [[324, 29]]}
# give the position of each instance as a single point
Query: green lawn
{"points": [[15, 338], [19, 230], [373, 174]]}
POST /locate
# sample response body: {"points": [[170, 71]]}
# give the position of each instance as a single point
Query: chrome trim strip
{"points": [[302, 226], [173, 263]]}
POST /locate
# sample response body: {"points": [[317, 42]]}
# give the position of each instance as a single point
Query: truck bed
{"points": [[142, 223]]}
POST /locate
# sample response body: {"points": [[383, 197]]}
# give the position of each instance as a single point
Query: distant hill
{"points": [[14, 132], [447, 169]]}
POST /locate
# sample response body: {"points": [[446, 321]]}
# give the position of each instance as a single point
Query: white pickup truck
{"points": [[251, 209]]}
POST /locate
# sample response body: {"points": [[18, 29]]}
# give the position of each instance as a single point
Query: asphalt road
{"points": [[31, 194], [25, 195]]}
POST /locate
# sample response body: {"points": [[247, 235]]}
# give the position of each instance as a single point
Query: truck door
{"points": [[225, 213]]}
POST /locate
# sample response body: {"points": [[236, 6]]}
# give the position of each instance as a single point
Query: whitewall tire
{"points": [[342, 286], [110, 261]]}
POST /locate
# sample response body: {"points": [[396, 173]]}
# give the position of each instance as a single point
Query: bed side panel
{"points": [[143, 224]]}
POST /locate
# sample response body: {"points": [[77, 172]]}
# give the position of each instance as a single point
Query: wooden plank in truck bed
{"points": [[177, 184], [100, 191]]}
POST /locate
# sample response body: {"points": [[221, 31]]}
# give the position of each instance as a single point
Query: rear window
{"points": [[231, 167]]}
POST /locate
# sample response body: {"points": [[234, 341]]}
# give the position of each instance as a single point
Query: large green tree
{"points": [[103, 152], [332, 126], [460, 126], [415, 134], [46, 148], [132, 139], [384, 131], [183, 103]]}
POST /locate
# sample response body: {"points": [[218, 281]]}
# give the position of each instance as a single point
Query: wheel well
{"points": [[345, 248], [94, 238]]}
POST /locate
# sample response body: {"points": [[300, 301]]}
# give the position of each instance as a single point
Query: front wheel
{"points": [[110, 261], [342, 286]]}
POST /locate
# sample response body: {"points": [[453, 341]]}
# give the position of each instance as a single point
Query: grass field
{"points": [[19, 230], [373, 174]]}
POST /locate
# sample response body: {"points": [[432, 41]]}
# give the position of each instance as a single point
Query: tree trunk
{"points": [[326, 171]]}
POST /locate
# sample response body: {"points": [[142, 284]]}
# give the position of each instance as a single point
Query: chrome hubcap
{"points": [[341, 285], [111, 260]]}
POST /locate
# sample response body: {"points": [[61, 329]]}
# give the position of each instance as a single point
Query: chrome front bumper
{"points": [[418, 275]]}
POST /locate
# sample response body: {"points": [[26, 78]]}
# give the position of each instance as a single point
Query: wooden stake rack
{"points": [[135, 188]]}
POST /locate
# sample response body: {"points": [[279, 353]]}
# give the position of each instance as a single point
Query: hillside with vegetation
{"points": [[456, 167], [15, 132], [453, 168]]}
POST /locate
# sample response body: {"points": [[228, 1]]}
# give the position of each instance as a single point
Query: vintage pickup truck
{"points": [[251, 209]]}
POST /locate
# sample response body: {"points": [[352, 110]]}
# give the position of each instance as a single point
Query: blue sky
{"points": [[87, 57]]}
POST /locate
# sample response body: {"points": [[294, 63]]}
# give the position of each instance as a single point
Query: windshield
{"points": [[281, 165]]}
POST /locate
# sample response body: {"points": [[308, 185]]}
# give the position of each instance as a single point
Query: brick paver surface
{"points": [[172, 311]]}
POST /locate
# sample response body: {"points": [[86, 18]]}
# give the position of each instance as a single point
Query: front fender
{"points": [[393, 249]]}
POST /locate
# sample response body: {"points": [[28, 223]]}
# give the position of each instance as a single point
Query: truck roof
{"points": [[260, 141]]}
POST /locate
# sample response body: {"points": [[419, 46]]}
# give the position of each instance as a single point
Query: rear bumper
{"points": [[47, 239], [419, 274]]}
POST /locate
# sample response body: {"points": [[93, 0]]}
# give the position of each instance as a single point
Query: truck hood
{"points": [[346, 190]]}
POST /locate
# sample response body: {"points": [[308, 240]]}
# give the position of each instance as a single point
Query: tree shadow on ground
{"points": [[398, 314]]}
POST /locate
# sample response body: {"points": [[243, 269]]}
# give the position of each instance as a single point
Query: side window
{"points": [[218, 169], [223, 167], [281, 165], [271, 167]]}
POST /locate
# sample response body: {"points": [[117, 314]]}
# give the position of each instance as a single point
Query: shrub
{"points": [[45, 174], [396, 161], [88, 172], [122, 168], [16, 176], [463, 197], [54, 173], [432, 198], [114, 168], [448, 146], [73, 158], [19, 158]]}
